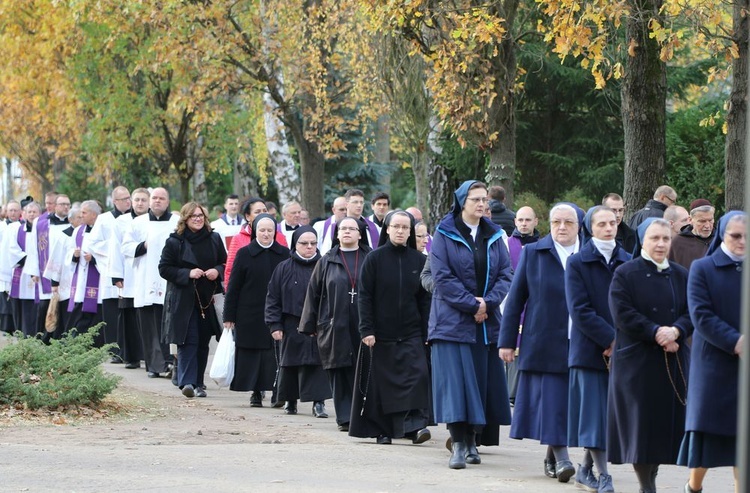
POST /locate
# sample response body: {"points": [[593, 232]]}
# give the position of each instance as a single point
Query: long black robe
{"points": [[391, 394], [301, 374]]}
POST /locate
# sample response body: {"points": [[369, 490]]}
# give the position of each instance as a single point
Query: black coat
{"points": [[328, 311], [245, 301], [284, 303], [645, 420], [177, 260], [393, 305]]}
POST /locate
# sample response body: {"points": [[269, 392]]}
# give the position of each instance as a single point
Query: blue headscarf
{"points": [[719, 236], [641, 233], [460, 195]]}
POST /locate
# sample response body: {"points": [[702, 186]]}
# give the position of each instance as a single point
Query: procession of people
{"points": [[620, 339]]}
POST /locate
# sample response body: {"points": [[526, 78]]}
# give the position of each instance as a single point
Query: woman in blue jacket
{"points": [[592, 336], [471, 272], [541, 406], [650, 361], [714, 298]]}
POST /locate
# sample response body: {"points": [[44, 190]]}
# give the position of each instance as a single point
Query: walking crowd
{"points": [[620, 339]]}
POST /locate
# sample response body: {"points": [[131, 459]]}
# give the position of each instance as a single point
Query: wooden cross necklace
{"points": [[352, 279]]}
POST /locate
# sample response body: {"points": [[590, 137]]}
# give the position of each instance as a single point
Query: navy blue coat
{"points": [[645, 420], [453, 300], [539, 286], [587, 280], [714, 297]]}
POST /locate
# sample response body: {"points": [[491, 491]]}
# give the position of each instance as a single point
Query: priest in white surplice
{"points": [[144, 243]]}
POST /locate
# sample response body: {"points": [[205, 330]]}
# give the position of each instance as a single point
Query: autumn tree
{"points": [[654, 32], [469, 48], [40, 118]]}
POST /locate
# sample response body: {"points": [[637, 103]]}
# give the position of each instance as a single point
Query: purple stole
{"points": [[15, 285], [515, 248], [42, 235], [374, 234], [92, 282], [326, 227]]}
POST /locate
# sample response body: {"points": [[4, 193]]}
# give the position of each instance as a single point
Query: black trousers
{"points": [[128, 332], [24, 316], [155, 354], [110, 314], [81, 322], [41, 316]]}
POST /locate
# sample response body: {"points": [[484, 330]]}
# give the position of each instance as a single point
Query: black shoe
{"points": [[200, 392], [115, 360], [472, 454], [152, 374], [549, 468], [319, 410], [458, 456], [565, 470], [188, 391], [344, 427], [133, 365], [277, 404], [383, 440], [420, 436], [256, 400], [290, 407]]}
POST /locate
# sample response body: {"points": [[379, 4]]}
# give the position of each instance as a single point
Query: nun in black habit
{"points": [[301, 376], [391, 393], [244, 310]]}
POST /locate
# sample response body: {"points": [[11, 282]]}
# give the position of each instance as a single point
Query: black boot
{"points": [[458, 457], [319, 409], [256, 400], [291, 407], [472, 454]]}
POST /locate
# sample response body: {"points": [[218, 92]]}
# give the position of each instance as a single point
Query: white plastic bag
{"points": [[222, 367]]}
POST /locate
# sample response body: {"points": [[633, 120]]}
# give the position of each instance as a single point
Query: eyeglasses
{"points": [[307, 243], [197, 216], [556, 223], [736, 236], [348, 228], [399, 227], [476, 200]]}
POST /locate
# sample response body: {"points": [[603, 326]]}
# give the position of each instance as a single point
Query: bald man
{"points": [[143, 243], [325, 228]]}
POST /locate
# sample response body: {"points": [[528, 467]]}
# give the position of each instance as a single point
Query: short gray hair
{"points": [[91, 206]]}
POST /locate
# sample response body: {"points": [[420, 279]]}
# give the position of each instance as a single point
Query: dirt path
{"points": [[219, 444]]}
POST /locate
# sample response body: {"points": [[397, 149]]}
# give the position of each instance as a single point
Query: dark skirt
{"points": [[391, 395], [306, 383], [341, 381], [587, 408], [541, 408], [699, 449], [254, 369]]}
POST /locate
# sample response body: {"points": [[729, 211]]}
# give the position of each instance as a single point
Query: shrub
{"points": [[67, 372]]}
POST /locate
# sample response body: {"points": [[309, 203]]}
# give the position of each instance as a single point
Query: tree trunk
{"points": [[501, 169], [440, 194], [283, 167], [244, 183], [200, 191], [644, 95], [735, 151], [312, 163], [8, 172], [420, 164], [383, 148], [58, 168]]}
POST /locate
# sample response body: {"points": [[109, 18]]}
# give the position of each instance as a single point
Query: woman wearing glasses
{"points": [[541, 405], [714, 298], [331, 311], [301, 376], [471, 273], [192, 262]]}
